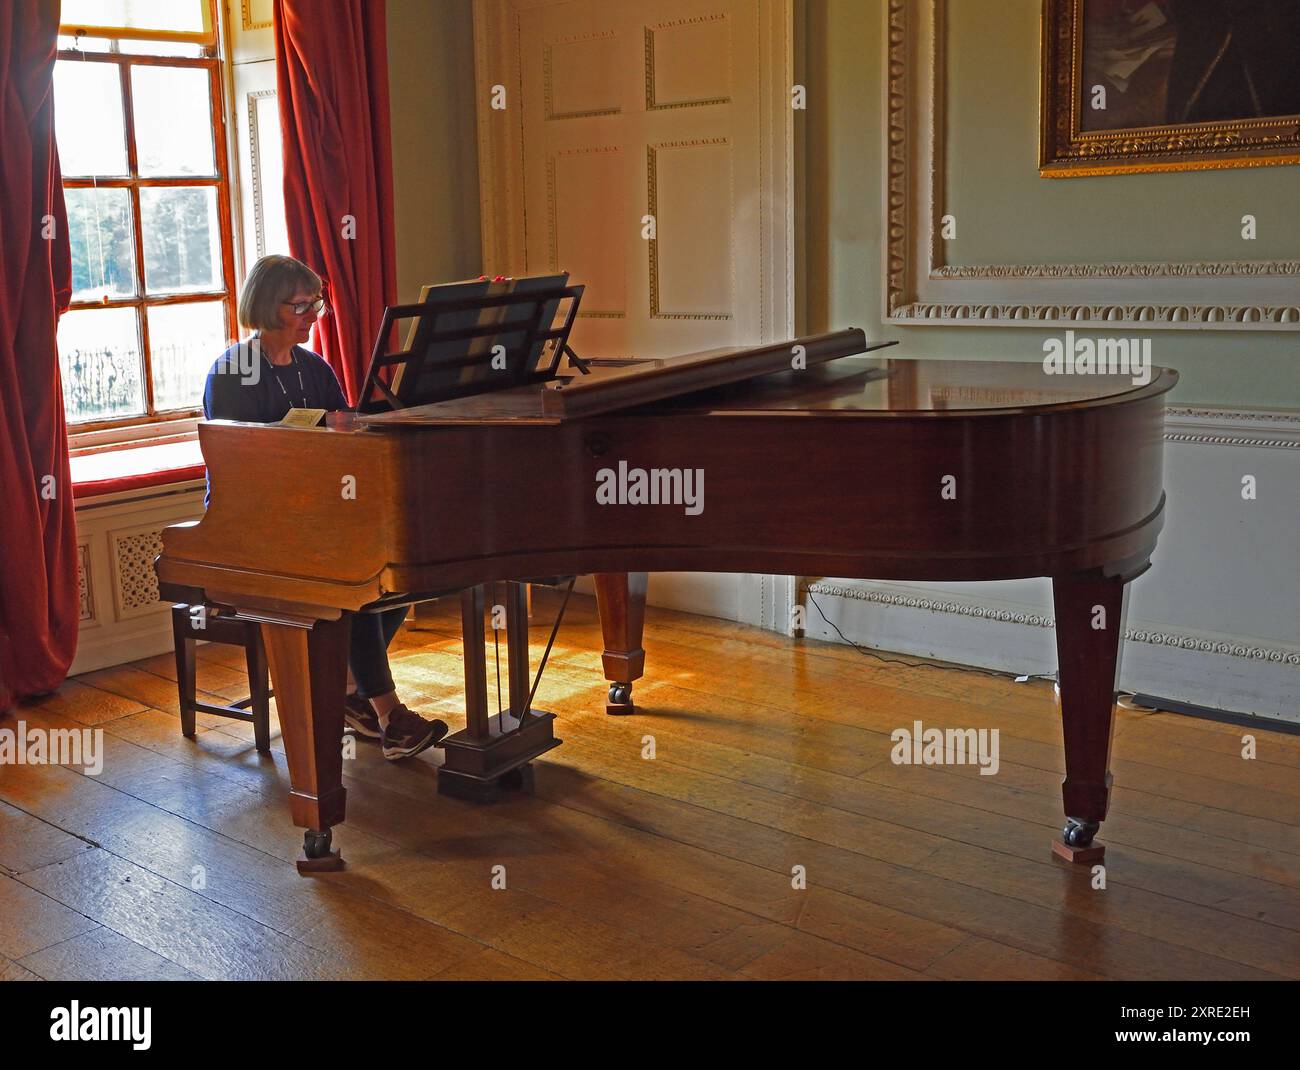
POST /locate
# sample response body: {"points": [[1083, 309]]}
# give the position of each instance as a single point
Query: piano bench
{"points": [[212, 626]]}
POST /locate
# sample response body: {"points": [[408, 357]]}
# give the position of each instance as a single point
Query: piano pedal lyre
{"points": [[492, 753]]}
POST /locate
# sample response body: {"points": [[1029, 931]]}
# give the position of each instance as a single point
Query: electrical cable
{"points": [[1018, 678]]}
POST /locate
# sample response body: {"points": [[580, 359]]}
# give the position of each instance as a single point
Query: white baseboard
{"points": [[1221, 672]]}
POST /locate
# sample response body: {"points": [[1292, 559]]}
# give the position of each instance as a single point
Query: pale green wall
{"points": [[435, 155], [1007, 214], [992, 144]]}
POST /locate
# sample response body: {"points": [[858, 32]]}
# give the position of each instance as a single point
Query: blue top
{"points": [[243, 385]]}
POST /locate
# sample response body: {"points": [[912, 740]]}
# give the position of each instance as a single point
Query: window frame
{"points": [[152, 421]]}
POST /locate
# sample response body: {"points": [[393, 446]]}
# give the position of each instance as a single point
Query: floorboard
{"points": [[771, 760]]}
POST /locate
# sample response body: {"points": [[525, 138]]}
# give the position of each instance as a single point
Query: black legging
{"points": [[368, 650]]}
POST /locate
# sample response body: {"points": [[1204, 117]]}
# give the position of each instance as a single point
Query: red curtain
{"points": [[38, 537], [332, 74]]}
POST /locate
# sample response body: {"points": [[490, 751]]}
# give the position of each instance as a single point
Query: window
{"points": [[140, 126]]}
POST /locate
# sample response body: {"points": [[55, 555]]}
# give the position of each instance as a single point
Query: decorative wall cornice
{"points": [[1233, 440], [1175, 412], [1102, 316], [1233, 427], [1197, 269]]}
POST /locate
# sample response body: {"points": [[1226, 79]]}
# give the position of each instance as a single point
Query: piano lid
{"points": [[625, 384]]}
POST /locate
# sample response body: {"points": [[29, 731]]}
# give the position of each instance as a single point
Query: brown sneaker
{"points": [[408, 733], [359, 717]]}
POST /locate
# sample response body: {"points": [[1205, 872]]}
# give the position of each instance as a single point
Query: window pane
{"points": [[103, 245], [173, 121], [184, 340], [182, 15], [182, 239], [88, 118], [99, 356]]}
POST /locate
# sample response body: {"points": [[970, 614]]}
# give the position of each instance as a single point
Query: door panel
{"points": [[632, 110]]}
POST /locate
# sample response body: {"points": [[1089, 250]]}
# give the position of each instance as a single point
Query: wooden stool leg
{"points": [[259, 688], [185, 676]]}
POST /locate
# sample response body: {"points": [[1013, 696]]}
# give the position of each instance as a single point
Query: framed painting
{"points": [[1168, 85]]}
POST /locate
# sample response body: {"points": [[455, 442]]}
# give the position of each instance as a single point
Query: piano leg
{"points": [[1090, 614], [620, 597], [309, 674]]}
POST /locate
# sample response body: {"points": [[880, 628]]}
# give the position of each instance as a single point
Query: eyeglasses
{"points": [[316, 306]]}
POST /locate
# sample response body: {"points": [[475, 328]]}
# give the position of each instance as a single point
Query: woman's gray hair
{"points": [[271, 282]]}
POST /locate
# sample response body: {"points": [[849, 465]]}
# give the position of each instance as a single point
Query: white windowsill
{"points": [[116, 438]]}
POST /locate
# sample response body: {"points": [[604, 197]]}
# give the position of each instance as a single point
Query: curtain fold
{"points": [[39, 599], [332, 79]]}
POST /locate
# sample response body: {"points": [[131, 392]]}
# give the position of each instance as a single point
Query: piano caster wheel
{"points": [[1079, 833], [316, 855], [1076, 846], [316, 843], [620, 699]]}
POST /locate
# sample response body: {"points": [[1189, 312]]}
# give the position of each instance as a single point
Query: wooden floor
{"points": [[177, 861]]}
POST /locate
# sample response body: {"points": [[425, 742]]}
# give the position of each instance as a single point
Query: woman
{"points": [[258, 381]]}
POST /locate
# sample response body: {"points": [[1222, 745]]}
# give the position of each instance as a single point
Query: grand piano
{"points": [[813, 458]]}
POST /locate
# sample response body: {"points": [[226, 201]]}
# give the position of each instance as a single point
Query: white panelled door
{"points": [[654, 164], [646, 147]]}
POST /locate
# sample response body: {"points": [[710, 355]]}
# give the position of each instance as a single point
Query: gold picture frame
{"points": [[1067, 150]]}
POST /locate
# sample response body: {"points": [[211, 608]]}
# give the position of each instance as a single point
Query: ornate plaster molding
{"points": [[920, 290]]}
